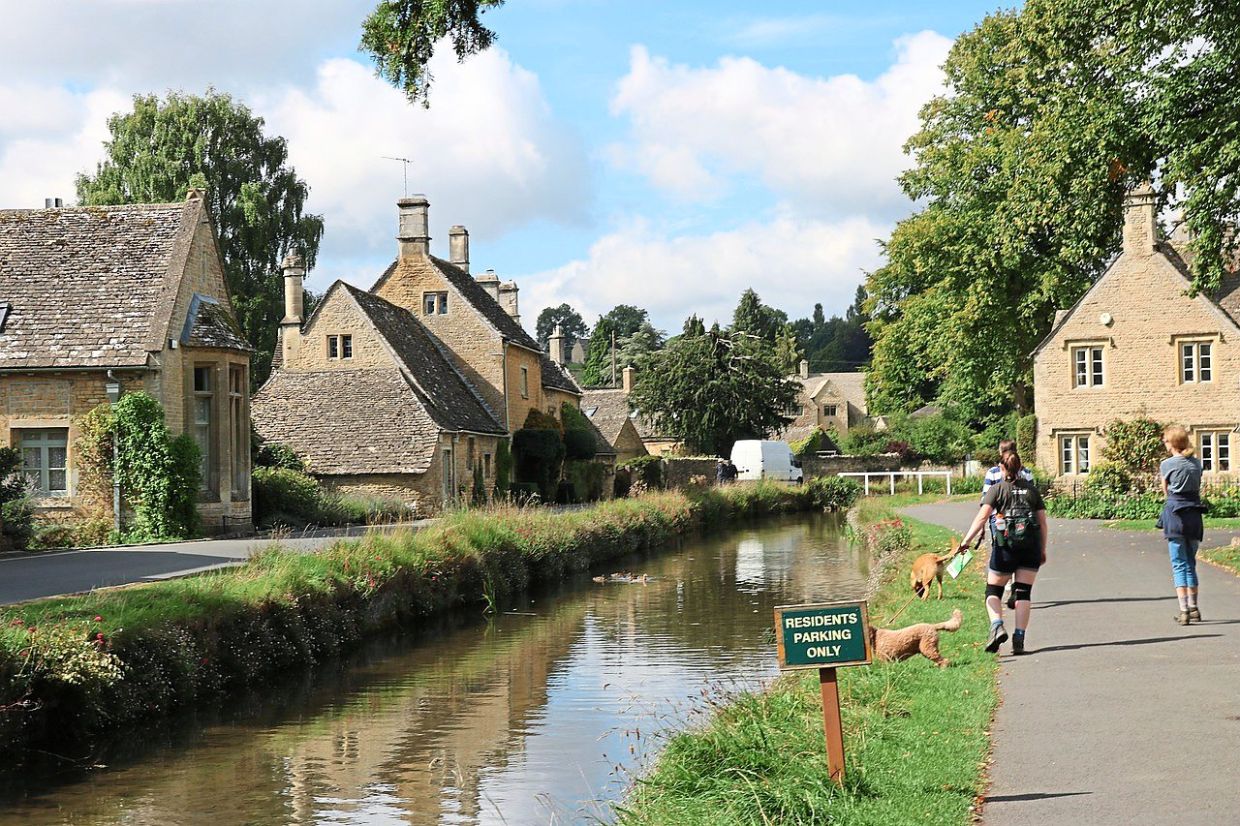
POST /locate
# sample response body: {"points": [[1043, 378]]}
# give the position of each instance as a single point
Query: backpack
{"points": [[1018, 526]]}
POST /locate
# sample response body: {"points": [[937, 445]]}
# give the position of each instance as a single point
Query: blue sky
{"points": [[667, 154]]}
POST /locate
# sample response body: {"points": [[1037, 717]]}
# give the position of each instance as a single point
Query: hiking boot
{"points": [[998, 637], [1018, 644], [1194, 614], [1182, 618]]}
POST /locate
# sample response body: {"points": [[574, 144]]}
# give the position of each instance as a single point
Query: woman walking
{"points": [[1019, 549], [1181, 518]]}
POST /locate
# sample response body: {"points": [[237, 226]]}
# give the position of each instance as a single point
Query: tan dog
{"points": [[930, 567], [902, 643]]}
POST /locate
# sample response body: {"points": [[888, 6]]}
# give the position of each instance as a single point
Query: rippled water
{"points": [[537, 717]]}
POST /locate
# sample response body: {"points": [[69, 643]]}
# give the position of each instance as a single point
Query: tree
{"points": [[837, 344], [755, 318], [255, 199], [1050, 114], [711, 389], [401, 35], [569, 320], [787, 350], [635, 350], [622, 321]]}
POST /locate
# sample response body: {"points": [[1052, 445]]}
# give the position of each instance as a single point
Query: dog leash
{"points": [[959, 551]]}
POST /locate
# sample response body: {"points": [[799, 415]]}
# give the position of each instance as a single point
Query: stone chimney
{"points": [[627, 377], [1140, 220], [804, 369], [489, 281], [555, 345], [458, 247], [414, 237], [508, 299], [294, 267]]}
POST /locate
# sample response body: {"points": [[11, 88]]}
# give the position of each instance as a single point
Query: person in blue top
{"points": [[1181, 518], [993, 477]]}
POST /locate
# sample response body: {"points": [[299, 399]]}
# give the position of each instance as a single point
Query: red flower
{"points": [[98, 618], [99, 636], [18, 621]]}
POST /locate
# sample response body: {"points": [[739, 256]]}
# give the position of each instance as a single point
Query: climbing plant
{"points": [[159, 473]]}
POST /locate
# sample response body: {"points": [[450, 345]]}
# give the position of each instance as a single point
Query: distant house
{"points": [[1136, 344], [100, 301], [830, 401], [609, 410]]}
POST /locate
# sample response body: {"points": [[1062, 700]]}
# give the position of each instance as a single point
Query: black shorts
{"points": [[1007, 560]]}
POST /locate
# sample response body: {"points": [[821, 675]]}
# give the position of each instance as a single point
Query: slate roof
{"points": [[209, 324], [478, 298], [608, 409], [378, 420], [553, 375], [91, 286]]}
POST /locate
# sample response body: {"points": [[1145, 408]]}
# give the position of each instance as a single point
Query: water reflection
{"points": [[525, 719]]}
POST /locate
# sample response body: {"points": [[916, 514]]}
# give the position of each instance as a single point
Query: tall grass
{"points": [[74, 666], [916, 736]]}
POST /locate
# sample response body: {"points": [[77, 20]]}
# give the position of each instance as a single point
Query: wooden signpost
{"points": [[826, 636]]}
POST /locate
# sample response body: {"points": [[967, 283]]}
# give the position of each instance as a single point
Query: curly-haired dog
{"points": [[902, 643], [929, 568]]}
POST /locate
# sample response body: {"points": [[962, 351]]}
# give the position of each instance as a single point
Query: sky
{"points": [[663, 154]]}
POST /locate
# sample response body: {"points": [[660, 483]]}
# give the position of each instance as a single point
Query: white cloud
{"points": [[791, 261], [831, 145]]}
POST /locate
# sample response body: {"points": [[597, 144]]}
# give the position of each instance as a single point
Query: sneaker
{"points": [[998, 637], [1018, 644], [1194, 614], [1182, 618]]}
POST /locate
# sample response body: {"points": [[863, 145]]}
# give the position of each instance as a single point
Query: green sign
{"points": [[826, 635]]}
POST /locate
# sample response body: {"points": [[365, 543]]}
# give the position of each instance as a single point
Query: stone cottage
{"points": [[96, 302], [830, 401], [372, 402], [609, 411], [1136, 345]]}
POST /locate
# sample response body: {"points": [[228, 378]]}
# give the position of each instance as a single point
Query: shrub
{"points": [[863, 440], [586, 480], [579, 444], [276, 455], [904, 450], [648, 470], [283, 495], [939, 438], [1108, 479], [1101, 506], [817, 440], [887, 537], [503, 468], [833, 493], [539, 454], [1026, 437], [622, 483], [1135, 445], [16, 502]]}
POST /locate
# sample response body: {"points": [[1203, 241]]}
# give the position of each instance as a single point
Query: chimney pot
{"points": [[413, 234], [804, 369], [627, 377], [458, 247]]}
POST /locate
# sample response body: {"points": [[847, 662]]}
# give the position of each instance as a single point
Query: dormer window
{"points": [[435, 303]]}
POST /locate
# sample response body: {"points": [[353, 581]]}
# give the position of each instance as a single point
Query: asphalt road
{"points": [[32, 576], [1118, 715]]}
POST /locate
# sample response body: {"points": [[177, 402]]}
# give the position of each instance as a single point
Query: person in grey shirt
{"points": [[1181, 518]]}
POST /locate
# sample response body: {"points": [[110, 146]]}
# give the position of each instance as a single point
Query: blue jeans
{"points": [[1183, 561]]}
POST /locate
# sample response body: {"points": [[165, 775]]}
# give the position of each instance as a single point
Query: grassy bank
{"points": [[75, 666], [916, 737], [1223, 523]]}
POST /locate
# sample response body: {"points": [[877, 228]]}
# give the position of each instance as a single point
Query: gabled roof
{"points": [[608, 409], [478, 298], [555, 376], [209, 324], [373, 420], [91, 286]]}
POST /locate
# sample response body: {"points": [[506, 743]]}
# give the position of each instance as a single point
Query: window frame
{"points": [[434, 302], [239, 433], [205, 431], [830, 411], [1214, 445], [1196, 361], [346, 346], [48, 440], [525, 382], [1088, 366], [1072, 447]]}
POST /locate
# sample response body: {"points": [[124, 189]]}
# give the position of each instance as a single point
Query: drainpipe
{"points": [[113, 388]]}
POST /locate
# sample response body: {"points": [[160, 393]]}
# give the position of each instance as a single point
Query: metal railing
{"points": [[903, 474]]}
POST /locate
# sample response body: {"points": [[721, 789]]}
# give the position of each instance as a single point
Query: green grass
{"points": [[1226, 557], [916, 737], [1226, 523]]}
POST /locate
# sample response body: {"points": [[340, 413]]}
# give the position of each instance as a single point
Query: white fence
{"points": [[891, 478]]}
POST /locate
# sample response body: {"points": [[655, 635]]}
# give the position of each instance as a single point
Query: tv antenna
{"points": [[404, 169]]}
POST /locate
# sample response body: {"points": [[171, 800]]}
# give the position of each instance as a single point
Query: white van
{"points": [[766, 459]]}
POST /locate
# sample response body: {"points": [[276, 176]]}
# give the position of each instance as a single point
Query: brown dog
{"points": [[902, 643], [928, 568]]}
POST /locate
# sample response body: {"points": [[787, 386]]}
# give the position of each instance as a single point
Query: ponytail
{"points": [[1011, 464]]}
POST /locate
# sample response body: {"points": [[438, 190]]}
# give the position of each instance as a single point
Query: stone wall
{"points": [[519, 404], [338, 316], [816, 466]]}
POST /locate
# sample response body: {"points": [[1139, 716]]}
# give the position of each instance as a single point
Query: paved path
{"points": [[31, 576], [1118, 715]]}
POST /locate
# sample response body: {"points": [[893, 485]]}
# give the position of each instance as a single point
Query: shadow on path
{"points": [[1017, 798], [1056, 603], [1149, 641]]}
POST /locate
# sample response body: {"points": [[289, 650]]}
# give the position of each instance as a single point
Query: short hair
{"points": [[1177, 437], [1006, 446]]}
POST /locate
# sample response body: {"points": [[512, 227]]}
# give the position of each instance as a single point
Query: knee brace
{"points": [[994, 591], [1022, 591]]}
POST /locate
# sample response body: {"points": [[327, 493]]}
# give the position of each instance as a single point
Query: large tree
{"points": [[401, 36], [616, 324], [1050, 114], [254, 197], [635, 350], [709, 389], [569, 321], [755, 318]]}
